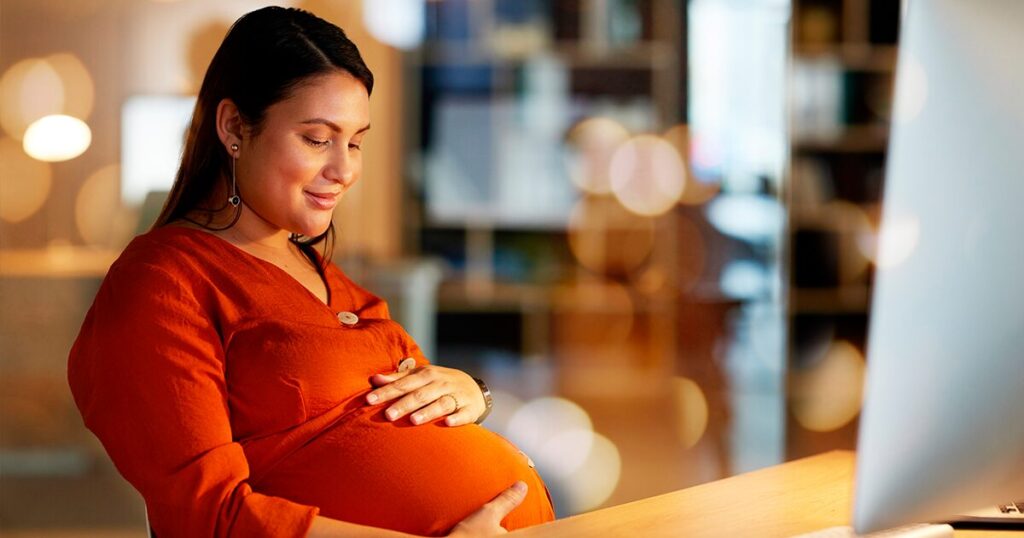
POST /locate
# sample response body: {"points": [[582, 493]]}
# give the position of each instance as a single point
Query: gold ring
{"points": [[454, 399]]}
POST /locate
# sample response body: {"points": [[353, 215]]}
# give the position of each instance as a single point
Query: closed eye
{"points": [[316, 143]]}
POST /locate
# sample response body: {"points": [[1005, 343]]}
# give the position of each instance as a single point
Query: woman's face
{"points": [[307, 154]]}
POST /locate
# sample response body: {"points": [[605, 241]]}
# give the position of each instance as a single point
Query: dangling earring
{"points": [[234, 200]]}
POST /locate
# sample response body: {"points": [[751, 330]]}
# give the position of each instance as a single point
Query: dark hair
{"points": [[266, 55]]}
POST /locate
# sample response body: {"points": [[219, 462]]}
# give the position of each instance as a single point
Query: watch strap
{"points": [[488, 400]]}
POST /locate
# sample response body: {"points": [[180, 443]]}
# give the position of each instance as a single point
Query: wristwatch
{"points": [[488, 401]]}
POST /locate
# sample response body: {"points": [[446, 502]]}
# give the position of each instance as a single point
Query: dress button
{"points": [[348, 318], [407, 364]]}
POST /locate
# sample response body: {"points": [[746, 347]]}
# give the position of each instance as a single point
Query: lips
{"points": [[322, 200]]}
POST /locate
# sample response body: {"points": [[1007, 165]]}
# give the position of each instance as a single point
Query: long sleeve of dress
{"points": [[147, 374]]}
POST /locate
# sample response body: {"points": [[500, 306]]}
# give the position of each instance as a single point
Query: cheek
{"points": [[291, 169]]}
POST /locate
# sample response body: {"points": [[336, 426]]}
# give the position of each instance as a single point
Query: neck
{"points": [[253, 230], [250, 230]]}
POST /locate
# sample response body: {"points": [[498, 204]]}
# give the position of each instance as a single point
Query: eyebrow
{"points": [[332, 125]]}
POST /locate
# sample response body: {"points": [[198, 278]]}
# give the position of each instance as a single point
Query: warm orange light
{"points": [[691, 408], [592, 143], [647, 175], [854, 227], [29, 90], [97, 204], [594, 314], [691, 252], [24, 182], [56, 138], [827, 396], [79, 91], [606, 238]]}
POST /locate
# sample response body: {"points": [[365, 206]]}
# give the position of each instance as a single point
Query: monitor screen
{"points": [[942, 430]]}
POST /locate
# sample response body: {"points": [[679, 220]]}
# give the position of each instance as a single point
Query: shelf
{"points": [[853, 56], [839, 217], [56, 262], [643, 55], [843, 300], [851, 139]]}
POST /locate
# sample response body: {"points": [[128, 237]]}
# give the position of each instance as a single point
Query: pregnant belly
{"points": [[418, 479]]}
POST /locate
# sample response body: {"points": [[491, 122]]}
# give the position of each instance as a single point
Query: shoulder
{"points": [[168, 254]]}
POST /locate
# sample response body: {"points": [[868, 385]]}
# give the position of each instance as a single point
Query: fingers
{"points": [[442, 406], [461, 417], [397, 384], [487, 520], [383, 379], [429, 396], [507, 500]]}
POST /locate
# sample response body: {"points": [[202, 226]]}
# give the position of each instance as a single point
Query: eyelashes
{"points": [[316, 143], [320, 144]]}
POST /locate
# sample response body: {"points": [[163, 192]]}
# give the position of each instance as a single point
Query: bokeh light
{"points": [[911, 95], [595, 480], [558, 436], [647, 175], [399, 23], [695, 191], [856, 228], [751, 217], [745, 279], [29, 90], [538, 420], [894, 243], [827, 395], [565, 452], [653, 281], [591, 144], [96, 205], [691, 410], [606, 238], [505, 406], [79, 90], [57, 138], [24, 182]]}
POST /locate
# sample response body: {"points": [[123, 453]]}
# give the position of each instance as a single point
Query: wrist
{"points": [[488, 401]]}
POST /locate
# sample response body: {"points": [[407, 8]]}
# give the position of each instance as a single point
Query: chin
{"points": [[312, 230]]}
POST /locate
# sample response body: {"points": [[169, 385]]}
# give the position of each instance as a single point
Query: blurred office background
{"points": [[648, 224]]}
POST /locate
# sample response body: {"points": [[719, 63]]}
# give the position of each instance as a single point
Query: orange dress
{"points": [[232, 398]]}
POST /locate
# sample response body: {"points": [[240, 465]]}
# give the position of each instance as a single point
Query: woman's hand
{"points": [[487, 520], [429, 392]]}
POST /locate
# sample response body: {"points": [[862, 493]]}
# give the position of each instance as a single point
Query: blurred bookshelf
{"points": [[843, 64], [499, 86]]}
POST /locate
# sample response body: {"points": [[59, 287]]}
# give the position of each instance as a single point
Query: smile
{"points": [[322, 200]]}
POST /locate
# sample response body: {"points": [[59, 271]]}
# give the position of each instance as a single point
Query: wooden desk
{"points": [[792, 498]]}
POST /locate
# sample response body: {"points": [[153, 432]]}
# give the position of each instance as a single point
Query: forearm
{"points": [[324, 527]]}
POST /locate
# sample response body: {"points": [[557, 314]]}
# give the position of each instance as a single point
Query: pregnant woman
{"points": [[236, 377]]}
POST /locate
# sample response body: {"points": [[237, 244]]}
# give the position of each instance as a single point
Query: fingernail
{"points": [[519, 486], [392, 413], [371, 398], [416, 419]]}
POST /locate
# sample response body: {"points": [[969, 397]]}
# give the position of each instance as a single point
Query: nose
{"points": [[343, 167]]}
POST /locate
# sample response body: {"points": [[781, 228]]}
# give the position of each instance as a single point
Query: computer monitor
{"points": [[942, 429]]}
